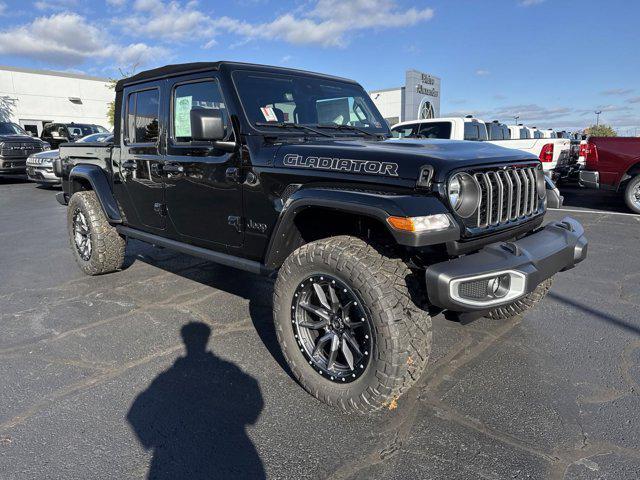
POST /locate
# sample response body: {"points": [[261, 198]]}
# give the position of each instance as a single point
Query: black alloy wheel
{"points": [[81, 235], [331, 327]]}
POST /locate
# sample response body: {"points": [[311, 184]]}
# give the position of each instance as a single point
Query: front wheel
{"points": [[632, 194], [97, 246], [347, 323]]}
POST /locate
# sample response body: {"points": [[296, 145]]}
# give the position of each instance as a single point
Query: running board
{"points": [[217, 257]]}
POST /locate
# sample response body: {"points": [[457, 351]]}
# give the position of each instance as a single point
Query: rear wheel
{"points": [[632, 194], [523, 304], [97, 246], [347, 323]]}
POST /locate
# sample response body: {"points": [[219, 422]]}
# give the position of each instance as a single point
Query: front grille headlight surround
{"points": [[464, 194]]}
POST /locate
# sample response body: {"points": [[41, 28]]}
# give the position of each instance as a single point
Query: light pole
{"points": [[516, 117], [598, 112]]}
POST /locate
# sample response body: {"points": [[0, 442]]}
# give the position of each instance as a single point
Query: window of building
{"points": [[194, 95], [142, 116]]}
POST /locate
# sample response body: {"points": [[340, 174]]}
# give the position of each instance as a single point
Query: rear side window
{"points": [[435, 130], [474, 131], [205, 94], [405, 131], [142, 116], [524, 134], [497, 131]]}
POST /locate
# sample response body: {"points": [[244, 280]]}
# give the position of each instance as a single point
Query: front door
{"points": [[141, 158], [203, 192]]}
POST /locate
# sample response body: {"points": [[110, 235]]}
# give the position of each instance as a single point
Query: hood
{"points": [[20, 138], [47, 154], [401, 158]]}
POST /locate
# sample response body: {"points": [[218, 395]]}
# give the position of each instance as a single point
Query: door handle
{"points": [[172, 168], [129, 165]]}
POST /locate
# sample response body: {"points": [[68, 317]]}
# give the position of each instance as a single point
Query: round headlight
{"points": [[454, 191], [464, 194]]}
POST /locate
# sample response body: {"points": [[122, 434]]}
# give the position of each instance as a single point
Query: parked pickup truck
{"points": [[613, 163], [15, 146], [552, 152], [294, 174]]}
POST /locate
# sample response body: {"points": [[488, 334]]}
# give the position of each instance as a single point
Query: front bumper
{"points": [[42, 175], [458, 284], [12, 165]]}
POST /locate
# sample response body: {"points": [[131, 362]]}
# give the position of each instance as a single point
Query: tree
{"points": [[111, 109], [601, 131], [124, 73]]}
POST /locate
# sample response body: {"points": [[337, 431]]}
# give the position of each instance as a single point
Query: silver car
{"points": [[40, 165]]}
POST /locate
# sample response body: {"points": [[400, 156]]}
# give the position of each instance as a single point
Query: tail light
{"points": [[583, 150], [546, 155], [591, 156]]}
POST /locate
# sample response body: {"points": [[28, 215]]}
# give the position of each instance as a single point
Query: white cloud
{"points": [[55, 5], [116, 3], [167, 21], [326, 22], [71, 40], [3, 8], [529, 3], [617, 91], [482, 72], [634, 100]]}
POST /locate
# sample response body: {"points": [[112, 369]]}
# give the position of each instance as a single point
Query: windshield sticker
{"points": [[182, 117], [269, 114], [372, 167]]}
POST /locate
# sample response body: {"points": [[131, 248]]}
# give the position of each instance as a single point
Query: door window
{"points": [[187, 96], [142, 117]]}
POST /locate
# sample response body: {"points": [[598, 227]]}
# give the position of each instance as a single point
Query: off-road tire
{"points": [[387, 289], [523, 304], [107, 246], [629, 191]]}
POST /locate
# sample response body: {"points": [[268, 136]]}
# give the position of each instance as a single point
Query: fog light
{"points": [[498, 287], [488, 289]]}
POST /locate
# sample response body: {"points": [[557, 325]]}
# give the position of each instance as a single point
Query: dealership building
{"points": [[32, 98], [419, 98]]}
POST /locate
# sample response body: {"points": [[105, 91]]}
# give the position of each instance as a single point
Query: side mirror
{"points": [[207, 125]]}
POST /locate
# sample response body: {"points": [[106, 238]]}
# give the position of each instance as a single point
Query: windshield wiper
{"points": [[345, 127], [286, 125]]}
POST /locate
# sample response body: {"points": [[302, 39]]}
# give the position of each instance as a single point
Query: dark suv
{"points": [[57, 133], [15, 146], [295, 175]]}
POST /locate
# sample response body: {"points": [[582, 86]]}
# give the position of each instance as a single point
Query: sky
{"points": [[551, 62]]}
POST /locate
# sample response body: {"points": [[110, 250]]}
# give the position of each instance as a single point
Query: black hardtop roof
{"points": [[185, 68]]}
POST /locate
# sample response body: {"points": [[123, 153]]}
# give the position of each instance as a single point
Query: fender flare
{"points": [[376, 205], [100, 184]]}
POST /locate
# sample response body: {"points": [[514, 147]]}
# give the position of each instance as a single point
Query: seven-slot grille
{"points": [[506, 195]]}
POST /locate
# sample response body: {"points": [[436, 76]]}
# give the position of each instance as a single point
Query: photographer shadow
{"points": [[194, 415]]}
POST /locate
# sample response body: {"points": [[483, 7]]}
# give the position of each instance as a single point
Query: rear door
{"points": [[141, 157], [203, 188]]}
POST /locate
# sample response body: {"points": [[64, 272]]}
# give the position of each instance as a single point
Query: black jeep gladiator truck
{"points": [[295, 175]]}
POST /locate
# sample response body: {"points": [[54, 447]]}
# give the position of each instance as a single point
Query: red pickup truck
{"points": [[613, 163]]}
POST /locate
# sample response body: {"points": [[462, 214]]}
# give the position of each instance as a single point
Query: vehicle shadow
{"points": [[578, 197], [193, 416], [13, 179]]}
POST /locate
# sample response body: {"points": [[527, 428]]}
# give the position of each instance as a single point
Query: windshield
{"points": [[97, 137], [305, 100], [82, 130], [7, 128], [423, 130]]}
